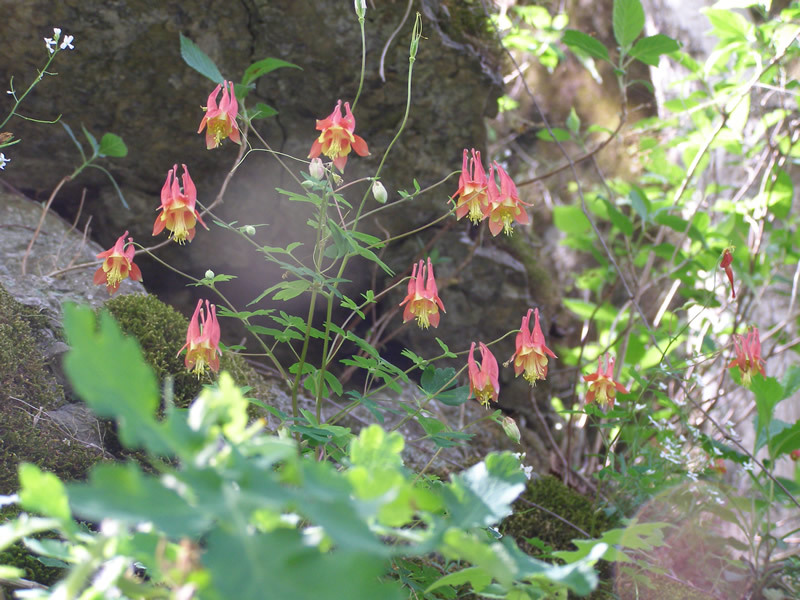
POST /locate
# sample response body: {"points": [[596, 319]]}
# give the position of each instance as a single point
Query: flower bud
{"points": [[316, 169], [361, 8], [511, 429], [249, 230], [209, 274], [795, 455], [379, 192], [309, 185]]}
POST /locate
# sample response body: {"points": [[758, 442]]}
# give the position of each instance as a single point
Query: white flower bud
{"points": [[249, 230], [316, 168], [209, 274], [361, 8], [379, 192], [511, 429]]}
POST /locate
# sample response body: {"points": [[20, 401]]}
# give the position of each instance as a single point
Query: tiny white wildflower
{"points": [[3, 161], [56, 32], [50, 42], [67, 43]]}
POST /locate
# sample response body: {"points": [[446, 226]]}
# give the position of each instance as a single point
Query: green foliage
{"points": [[323, 532]]}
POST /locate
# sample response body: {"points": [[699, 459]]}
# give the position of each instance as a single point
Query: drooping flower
{"points": [[117, 265], [531, 354], [748, 356], [178, 212], [505, 207], [725, 264], [718, 465], [220, 121], [337, 137], [422, 300], [602, 387], [202, 340], [483, 383], [473, 195]]}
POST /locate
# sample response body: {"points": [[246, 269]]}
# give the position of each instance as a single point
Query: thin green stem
{"points": [[363, 62]]}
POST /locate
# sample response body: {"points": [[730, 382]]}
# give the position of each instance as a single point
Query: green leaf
{"points": [[649, 49], [640, 203], [123, 492], [264, 66], [244, 564], [108, 371], [435, 380], [768, 392], [24, 525], [44, 493], [785, 441], [791, 381], [198, 60], [112, 145], [636, 536], [482, 495], [262, 111], [570, 219], [728, 25], [577, 40], [92, 140], [445, 349], [779, 193], [573, 121], [561, 135], [628, 21], [618, 219], [290, 289], [477, 577]]}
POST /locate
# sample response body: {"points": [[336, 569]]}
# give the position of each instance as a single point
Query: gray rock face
{"points": [[126, 76]]}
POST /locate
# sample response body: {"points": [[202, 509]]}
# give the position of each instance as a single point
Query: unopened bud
{"points": [[309, 185], [361, 8], [209, 274], [511, 429], [316, 168], [249, 230], [379, 192], [795, 454]]}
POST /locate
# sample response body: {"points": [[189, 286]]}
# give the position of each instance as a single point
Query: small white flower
{"points": [[3, 161], [56, 32], [50, 42], [67, 43]]}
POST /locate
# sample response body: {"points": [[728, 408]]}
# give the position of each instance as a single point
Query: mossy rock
{"points": [[161, 333], [551, 494], [17, 555], [553, 534], [28, 389]]}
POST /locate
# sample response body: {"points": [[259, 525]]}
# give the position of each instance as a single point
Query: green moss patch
{"points": [[28, 389]]}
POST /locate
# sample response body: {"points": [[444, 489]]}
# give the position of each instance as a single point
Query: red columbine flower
{"points": [[337, 137], [118, 265], [473, 196], [748, 356], [483, 382], [603, 388], [178, 213], [531, 354], [725, 263], [423, 298], [202, 340], [221, 120], [505, 206]]}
